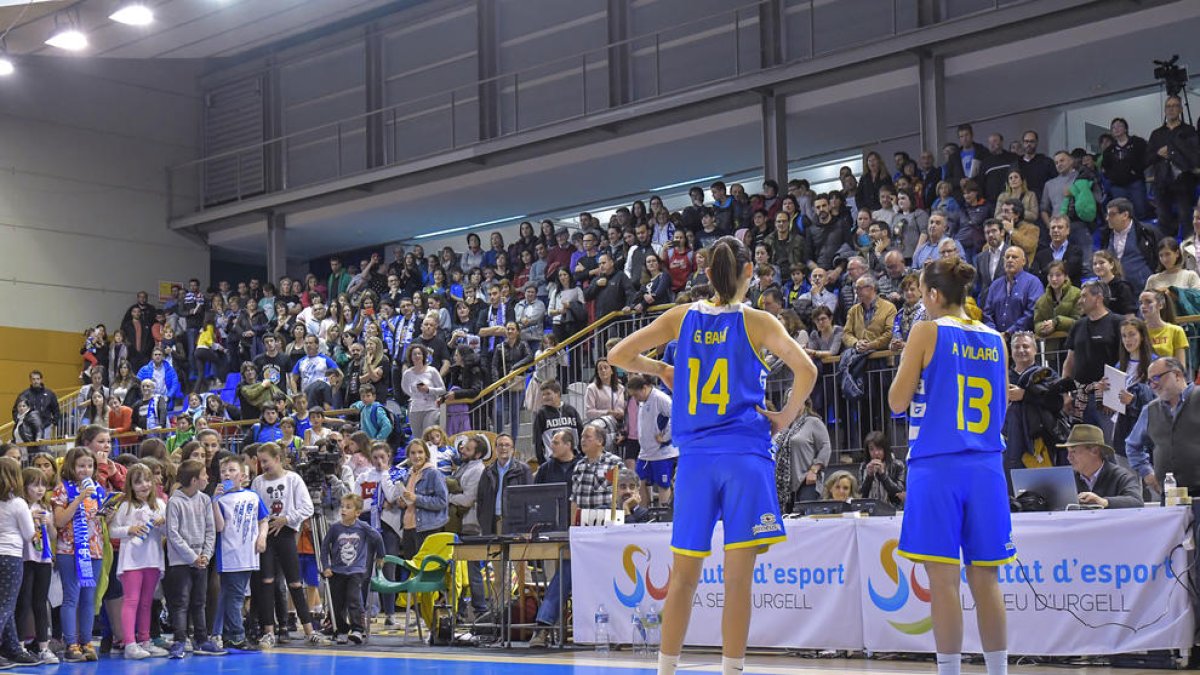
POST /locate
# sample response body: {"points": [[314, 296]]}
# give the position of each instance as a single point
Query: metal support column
{"points": [[488, 55], [620, 63], [276, 246], [931, 88], [377, 136], [774, 137], [770, 32], [274, 160]]}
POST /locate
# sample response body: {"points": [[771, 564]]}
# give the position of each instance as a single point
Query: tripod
{"points": [[322, 497]]}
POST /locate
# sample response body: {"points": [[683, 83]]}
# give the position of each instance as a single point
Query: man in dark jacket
{"points": [[1100, 481], [506, 471], [994, 167], [1173, 155], [41, 400], [554, 416], [560, 463], [611, 290]]}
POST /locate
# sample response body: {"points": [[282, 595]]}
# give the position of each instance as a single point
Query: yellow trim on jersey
{"points": [[691, 554], [752, 543], [920, 557], [993, 563], [753, 348]]}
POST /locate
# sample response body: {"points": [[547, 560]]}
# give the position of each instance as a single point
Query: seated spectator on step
{"points": [[1101, 482]]}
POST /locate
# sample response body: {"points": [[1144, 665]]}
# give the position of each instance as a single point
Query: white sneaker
{"points": [[153, 650], [134, 651], [48, 657]]}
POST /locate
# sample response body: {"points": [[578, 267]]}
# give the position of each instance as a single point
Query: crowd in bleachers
{"points": [[1088, 257]]}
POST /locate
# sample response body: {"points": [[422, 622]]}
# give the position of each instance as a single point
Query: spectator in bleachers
{"points": [[887, 206], [891, 277], [149, 408], [967, 221], [162, 374], [1171, 270], [1057, 189], [530, 314], [996, 167], [1134, 244], [1019, 230], [553, 416], [611, 291], [656, 289], [825, 235], [1171, 425], [803, 452], [505, 472], [1037, 168], [140, 340], [1124, 166], [927, 247], [1166, 338], [1120, 292], [874, 177], [1189, 245], [1094, 341], [869, 321], [1060, 249], [586, 262], [909, 313], [787, 243], [680, 261], [566, 306], [1058, 308], [881, 243], [1016, 189], [1011, 298], [605, 395], [1173, 155], [910, 223], [1134, 392], [507, 356]]}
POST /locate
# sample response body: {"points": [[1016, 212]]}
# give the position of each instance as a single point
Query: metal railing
{"points": [[521, 101]]}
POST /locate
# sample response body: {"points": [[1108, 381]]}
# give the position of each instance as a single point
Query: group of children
{"points": [[109, 529]]}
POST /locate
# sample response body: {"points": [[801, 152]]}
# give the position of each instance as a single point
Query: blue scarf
{"points": [[82, 531]]}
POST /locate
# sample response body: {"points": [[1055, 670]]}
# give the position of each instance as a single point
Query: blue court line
{"points": [[344, 662]]}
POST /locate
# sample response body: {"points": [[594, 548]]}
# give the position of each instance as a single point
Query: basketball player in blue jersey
{"points": [[953, 382], [726, 467]]}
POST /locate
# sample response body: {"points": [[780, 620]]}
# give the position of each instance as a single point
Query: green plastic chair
{"points": [[429, 578]]}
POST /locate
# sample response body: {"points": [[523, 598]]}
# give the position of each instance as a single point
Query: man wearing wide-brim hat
{"points": [[1099, 479]]}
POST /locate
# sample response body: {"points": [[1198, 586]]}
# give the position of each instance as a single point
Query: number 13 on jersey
{"points": [[974, 393], [716, 386]]}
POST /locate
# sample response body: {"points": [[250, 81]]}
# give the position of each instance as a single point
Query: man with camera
{"points": [[1173, 155]]}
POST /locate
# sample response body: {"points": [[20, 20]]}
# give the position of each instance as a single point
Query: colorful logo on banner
{"points": [[900, 598], [642, 584]]}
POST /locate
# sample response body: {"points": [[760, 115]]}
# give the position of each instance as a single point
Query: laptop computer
{"points": [[1056, 484]]}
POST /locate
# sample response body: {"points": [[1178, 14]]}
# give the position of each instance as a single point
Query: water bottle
{"points": [[637, 640], [653, 620], [602, 636], [1168, 486]]}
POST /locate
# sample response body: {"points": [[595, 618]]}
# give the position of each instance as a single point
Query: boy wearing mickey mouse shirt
{"points": [[347, 555]]}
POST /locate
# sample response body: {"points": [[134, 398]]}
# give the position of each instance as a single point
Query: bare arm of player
{"points": [[766, 331], [627, 353], [921, 341]]}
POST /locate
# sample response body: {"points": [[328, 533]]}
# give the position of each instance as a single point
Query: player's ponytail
{"points": [[729, 258], [950, 277]]}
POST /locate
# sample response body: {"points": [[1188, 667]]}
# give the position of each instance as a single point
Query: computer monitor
{"points": [[820, 507], [533, 509], [1056, 484], [873, 507]]}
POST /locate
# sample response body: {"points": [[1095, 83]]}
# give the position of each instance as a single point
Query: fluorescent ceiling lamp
{"points": [[6, 65], [133, 15], [690, 182], [69, 39], [452, 230]]}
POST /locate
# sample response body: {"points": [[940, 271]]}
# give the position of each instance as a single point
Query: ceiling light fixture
{"points": [[133, 15], [452, 230], [66, 36], [693, 181]]}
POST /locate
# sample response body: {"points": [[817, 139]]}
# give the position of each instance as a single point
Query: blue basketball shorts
{"points": [[738, 489], [957, 509], [657, 472]]}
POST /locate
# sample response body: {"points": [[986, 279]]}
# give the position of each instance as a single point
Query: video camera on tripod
{"points": [[317, 464], [1172, 75]]}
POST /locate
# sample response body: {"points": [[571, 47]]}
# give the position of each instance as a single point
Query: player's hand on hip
{"points": [[779, 420]]}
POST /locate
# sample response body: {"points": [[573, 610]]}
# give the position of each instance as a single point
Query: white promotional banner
{"points": [[806, 590], [1086, 582]]}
